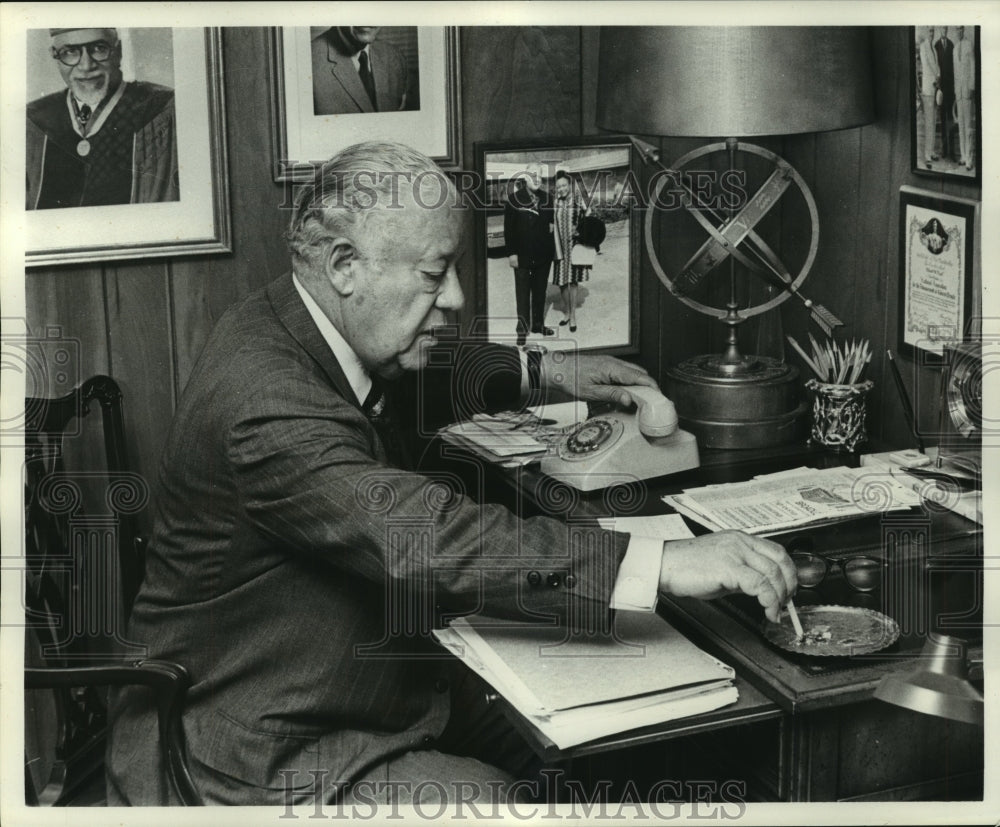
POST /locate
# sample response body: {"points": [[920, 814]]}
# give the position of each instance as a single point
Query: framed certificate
{"points": [[939, 272]]}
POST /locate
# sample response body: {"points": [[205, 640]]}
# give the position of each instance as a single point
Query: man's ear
{"points": [[339, 265]]}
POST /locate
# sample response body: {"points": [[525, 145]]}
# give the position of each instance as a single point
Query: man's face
{"points": [[365, 34], [90, 80], [960, 32], [405, 283], [562, 187]]}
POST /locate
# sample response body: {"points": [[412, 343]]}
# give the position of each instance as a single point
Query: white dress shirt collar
{"points": [[356, 58], [355, 372]]}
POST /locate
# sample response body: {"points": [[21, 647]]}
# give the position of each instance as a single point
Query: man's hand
{"points": [[726, 562], [512, 261], [591, 377]]}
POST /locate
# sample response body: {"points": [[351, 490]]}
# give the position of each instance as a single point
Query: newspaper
{"points": [[800, 497]]}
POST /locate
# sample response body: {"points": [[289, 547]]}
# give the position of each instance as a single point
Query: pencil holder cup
{"points": [[839, 414]]}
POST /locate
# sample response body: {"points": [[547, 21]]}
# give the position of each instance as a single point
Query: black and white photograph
{"points": [[946, 137], [109, 141], [467, 413], [365, 69], [560, 244], [83, 120], [332, 86]]}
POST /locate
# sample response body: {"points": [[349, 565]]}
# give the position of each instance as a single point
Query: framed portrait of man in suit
{"points": [[333, 86]]}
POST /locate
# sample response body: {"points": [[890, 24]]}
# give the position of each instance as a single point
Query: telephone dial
{"points": [[620, 447]]}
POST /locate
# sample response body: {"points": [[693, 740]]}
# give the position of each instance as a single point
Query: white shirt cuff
{"points": [[639, 575]]}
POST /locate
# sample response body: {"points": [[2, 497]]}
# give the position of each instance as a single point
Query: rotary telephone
{"points": [[620, 447]]}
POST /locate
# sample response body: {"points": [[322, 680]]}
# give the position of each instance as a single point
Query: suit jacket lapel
{"points": [[344, 73], [295, 317]]}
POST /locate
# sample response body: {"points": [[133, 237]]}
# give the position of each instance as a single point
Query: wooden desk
{"points": [[798, 734]]}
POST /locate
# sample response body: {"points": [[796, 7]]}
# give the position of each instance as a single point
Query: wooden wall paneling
{"points": [[203, 287], [840, 273], [683, 331], [195, 289], [590, 43], [140, 337], [72, 301], [261, 206], [922, 382], [800, 152], [520, 82], [760, 334], [884, 163], [68, 343]]}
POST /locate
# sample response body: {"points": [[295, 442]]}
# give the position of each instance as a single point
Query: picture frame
{"points": [[189, 217], [946, 111], [940, 273], [603, 172], [316, 114]]}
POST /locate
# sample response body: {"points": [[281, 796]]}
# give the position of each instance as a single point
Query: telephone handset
{"points": [[620, 447]]}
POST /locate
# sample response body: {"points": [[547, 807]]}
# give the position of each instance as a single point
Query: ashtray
{"points": [[833, 631]]}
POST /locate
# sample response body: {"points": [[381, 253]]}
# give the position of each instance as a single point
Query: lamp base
{"points": [[751, 404]]}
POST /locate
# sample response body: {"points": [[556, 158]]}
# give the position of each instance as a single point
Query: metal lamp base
{"points": [[752, 404]]}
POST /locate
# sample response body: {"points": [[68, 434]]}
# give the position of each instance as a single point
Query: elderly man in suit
{"points": [[297, 563], [355, 72]]}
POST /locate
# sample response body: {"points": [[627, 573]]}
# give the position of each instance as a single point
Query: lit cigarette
{"points": [[794, 615]]}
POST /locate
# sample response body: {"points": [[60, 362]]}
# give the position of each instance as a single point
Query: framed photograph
{"points": [[946, 113], [558, 244], [940, 278], [136, 173], [336, 86]]}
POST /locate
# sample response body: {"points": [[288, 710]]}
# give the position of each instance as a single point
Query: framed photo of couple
{"points": [[125, 150], [558, 244], [333, 86]]}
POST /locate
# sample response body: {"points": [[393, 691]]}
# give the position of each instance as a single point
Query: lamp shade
{"points": [[938, 685], [723, 81]]}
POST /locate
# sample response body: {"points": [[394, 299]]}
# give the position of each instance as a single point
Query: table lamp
{"points": [[732, 83], [938, 685]]}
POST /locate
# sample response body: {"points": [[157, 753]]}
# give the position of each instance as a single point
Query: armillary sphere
{"points": [[734, 235], [730, 400]]}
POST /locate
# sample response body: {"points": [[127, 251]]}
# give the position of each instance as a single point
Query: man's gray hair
{"points": [[354, 182]]}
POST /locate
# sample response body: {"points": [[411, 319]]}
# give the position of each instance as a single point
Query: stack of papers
{"points": [[576, 689], [801, 497]]}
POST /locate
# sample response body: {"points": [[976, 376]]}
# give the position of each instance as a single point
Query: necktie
{"points": [[378, 408], [365, 70]]}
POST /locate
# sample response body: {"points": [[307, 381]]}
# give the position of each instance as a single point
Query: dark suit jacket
{"points": [[527, 229], [945, 50], [294, 573], [337, 87]]}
